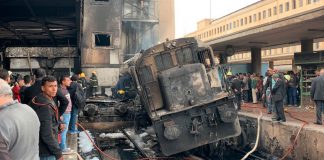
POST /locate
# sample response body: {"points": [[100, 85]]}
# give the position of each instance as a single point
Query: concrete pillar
{"points": [[256, 60], [294, 67], [222, 58], [271, 64], [307, 45]]}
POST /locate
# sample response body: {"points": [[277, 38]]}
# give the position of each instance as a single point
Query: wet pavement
{"points": [[291, 113]]}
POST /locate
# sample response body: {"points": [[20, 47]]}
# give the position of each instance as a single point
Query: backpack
{"points": [[79, 98]]}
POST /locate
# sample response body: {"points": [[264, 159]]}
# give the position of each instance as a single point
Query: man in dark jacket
{"points": [[35, 89], [94, 83], [237, 86], [267, 88], [48, 115], [27, 81], [292, 89], [278, 94], [78, 101], [317, 95]]}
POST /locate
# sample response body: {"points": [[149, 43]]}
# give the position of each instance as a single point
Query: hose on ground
{"points": [[257, 138]]}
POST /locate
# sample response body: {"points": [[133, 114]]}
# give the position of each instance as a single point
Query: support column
{"points": [[271, 65], [222, 58], [294, 67], [307, 45], [256, 60]]}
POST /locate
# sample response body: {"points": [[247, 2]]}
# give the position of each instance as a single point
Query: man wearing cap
{"points": [[278, 94], [82, 81]]}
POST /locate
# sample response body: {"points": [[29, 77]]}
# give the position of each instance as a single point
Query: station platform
{"points": [[297, 138], [301, 113]]}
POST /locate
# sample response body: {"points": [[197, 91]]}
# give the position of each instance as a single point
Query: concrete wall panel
{"points": [[276, 138]]}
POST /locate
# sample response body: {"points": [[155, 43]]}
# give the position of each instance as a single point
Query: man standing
{"points": [[317, 95], [19, 128], [278, 94], [246, 88], [48, 115], [237, 86], [254, 83], [35, 89], [268, 85], [292, 89], [27, 81], [78, 101], [94, 83], [65, 82], [82, 80], [4, 75]]}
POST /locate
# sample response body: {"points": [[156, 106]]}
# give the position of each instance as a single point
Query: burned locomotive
{"points": [[181, 92]]}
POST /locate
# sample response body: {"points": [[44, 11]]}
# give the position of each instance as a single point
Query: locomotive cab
{"points": [[179, 85]]}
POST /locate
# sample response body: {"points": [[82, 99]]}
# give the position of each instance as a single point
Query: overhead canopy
{"points": [[308, 25], [39, 22]]}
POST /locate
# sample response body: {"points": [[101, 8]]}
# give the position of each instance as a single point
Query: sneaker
{"points": [[67, 151], [317, 123], [275, 120], [282, 120]]}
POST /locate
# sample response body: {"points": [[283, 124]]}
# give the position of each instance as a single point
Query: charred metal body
{"points": [[180, 96], [180, 89]]}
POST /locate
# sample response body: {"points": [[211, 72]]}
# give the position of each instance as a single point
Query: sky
{"points": [[189, 12]]}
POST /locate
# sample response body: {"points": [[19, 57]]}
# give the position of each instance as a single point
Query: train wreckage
{"points": [[172, 93]]}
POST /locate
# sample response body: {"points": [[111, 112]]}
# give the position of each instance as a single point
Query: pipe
{"points": [[257, 139]]}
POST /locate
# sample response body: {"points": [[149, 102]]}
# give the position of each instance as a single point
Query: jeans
{"points": [[269, 101], [292, 95], [238, 99], [319, 111], [246, 96], [47, 158], [254, 95], [73, 120], [66, 121]]}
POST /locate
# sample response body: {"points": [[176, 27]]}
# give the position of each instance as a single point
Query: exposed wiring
{"points": [[257, 138]]}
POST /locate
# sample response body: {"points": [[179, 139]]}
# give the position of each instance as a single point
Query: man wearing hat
{"points": [[278, 94], [94, 83]]}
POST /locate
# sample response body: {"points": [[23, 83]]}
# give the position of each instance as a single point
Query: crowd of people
{"points": [[36, 113], [274, 90]]}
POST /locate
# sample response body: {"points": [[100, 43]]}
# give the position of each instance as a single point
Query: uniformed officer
{"points": [[94, 83]]}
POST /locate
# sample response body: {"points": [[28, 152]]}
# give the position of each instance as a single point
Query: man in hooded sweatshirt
{"points": [[48, 114]]}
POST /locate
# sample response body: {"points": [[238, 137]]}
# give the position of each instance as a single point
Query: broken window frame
{"points": [[94, 45]]}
